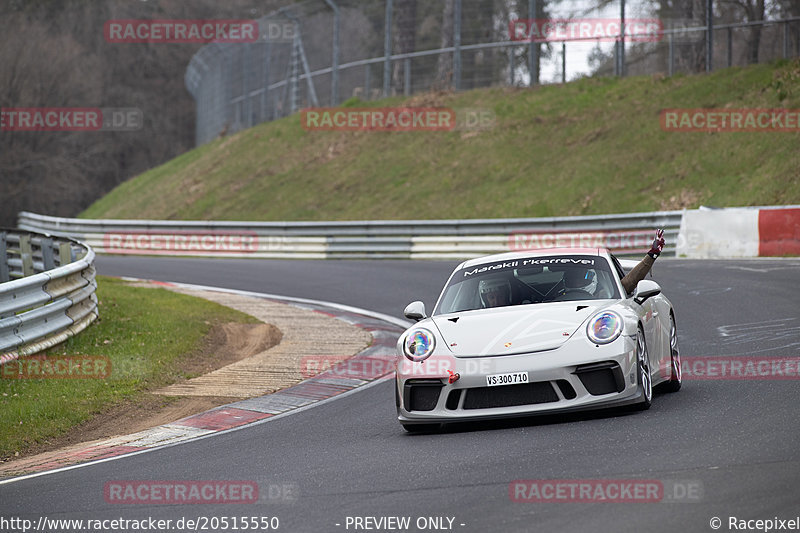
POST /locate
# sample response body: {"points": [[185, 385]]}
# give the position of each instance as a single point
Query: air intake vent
{"points": [[601, 378], [510, 395], [422, 395]]}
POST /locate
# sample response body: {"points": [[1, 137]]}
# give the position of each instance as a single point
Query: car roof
{"points": [[539, 252]]}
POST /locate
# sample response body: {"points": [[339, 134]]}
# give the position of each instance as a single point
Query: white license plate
{"points": [[512, 378]]}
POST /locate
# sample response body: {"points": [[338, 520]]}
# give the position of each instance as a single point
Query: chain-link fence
{"points": [[324, 52]]}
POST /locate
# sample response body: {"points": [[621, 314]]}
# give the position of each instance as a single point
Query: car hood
{"points": [[516, 329]]}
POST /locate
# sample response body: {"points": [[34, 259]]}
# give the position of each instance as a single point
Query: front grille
{"points": [[422, 395], [510, 395], [601, 378]]}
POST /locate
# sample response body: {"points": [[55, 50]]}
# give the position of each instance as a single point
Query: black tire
{"points": [[676, 378], [644, 376]]}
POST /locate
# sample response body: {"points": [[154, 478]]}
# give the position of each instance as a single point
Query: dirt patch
{"points": [[223, 345], [228, 343], [685, 199]]}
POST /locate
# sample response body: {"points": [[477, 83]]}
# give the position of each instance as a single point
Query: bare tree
{"points": [[405, 36], [444, 67]]}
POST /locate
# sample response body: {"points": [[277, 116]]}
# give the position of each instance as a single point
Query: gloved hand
{"points": [[658, 244]]}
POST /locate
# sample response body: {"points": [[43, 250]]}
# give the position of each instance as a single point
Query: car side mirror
{"points": [[415, 311], [645, 289]]}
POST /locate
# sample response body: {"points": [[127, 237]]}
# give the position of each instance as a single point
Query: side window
{"points": [[617, 266]]}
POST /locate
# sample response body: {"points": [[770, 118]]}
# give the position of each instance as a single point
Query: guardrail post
{"points": [[563, 62], [64, 254], [47, 254], [26, 254], [367, 80], [4, 276]]}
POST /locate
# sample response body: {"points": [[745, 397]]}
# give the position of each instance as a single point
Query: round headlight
{"points": [[604, 328], [418, 344]]}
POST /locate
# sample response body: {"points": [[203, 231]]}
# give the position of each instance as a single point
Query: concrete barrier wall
{"points": [[739, 232]]}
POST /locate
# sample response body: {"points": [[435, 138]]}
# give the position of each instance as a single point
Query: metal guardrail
{"points": [[401, 239], [47, 291]]}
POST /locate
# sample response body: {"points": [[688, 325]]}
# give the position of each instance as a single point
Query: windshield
{"points": [[528, 281]]}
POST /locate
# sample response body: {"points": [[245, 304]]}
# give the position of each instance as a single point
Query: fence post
{"points": [[511, 66], [387, 49], [709, 36], [563, 61], [367, 81], [335, 59], [295, 67], [26, 254], [457, 45], [246, 62], [407, 76], [671, 68], [265, 93], [785, 40], [4, 275], [730, 46], [622, 38], [533, 47]]}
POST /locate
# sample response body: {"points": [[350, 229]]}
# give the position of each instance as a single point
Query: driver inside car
{"points": [[579, 279], [495, 292]]}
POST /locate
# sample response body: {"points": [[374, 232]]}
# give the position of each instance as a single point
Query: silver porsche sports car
{"points": [[524, 333]]}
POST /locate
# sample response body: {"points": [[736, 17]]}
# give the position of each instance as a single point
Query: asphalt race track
{"points": [[733, 443]]}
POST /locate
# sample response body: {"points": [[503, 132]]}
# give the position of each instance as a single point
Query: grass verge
{"points": [[593, 146], [144, 333]]}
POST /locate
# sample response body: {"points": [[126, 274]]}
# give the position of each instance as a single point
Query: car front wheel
{"points": [[676, 379], [643, 372]]}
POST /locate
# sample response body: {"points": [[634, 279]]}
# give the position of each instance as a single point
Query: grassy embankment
{"points": [[592, 146], [145, 333]]}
